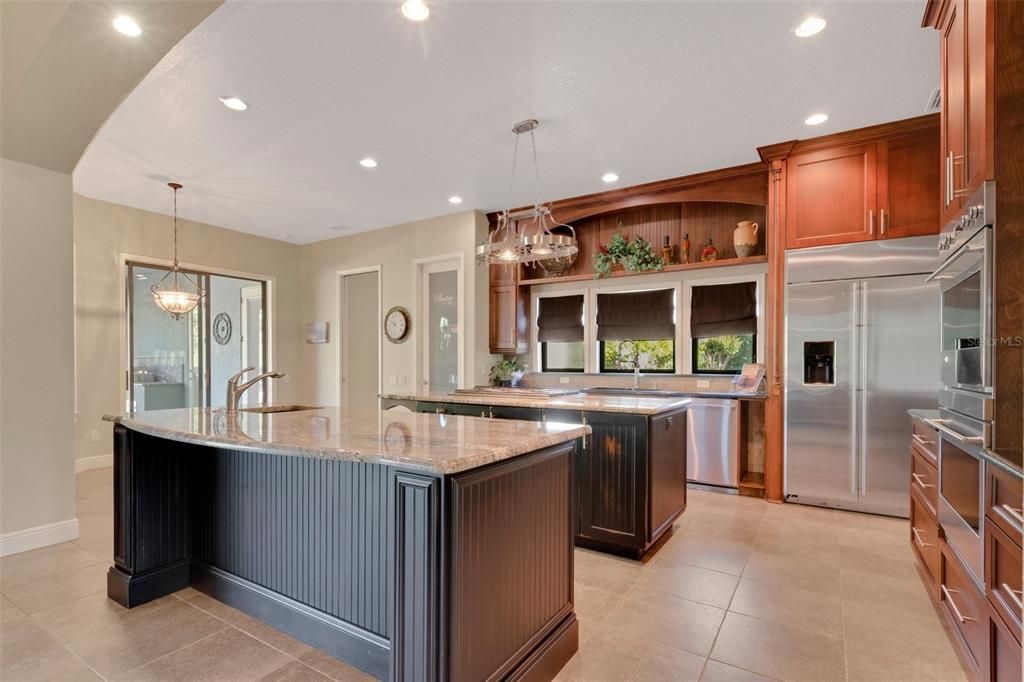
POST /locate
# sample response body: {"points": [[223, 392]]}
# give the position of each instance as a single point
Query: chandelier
{"points": [[526, 237], [171, 295]]}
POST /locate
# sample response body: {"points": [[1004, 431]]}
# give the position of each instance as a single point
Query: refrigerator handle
{"points": [[862, 387], [855, 360]]}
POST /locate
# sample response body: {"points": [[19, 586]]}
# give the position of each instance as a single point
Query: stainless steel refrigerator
{"points": [[862, 335]]}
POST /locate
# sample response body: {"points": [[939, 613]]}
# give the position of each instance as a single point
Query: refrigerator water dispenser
{"points": [[819, 366]]}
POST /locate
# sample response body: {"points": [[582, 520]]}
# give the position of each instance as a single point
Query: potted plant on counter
{"points": [[507, 373]]}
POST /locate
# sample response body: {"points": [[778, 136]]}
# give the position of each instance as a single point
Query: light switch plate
{"points": [[563, 380], [703, 383]]}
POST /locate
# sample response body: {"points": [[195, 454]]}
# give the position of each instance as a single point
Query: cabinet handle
{"points": [[949, 178], [952, 604], [1014, 595], [871, 222], [920, 481], [917, 538], [668, 423], [883, 222], [490, 412], [925, 443], [585, 435], [1015, 514]]}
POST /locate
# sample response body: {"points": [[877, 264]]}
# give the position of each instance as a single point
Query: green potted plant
{"points": [[634, 255], [507, 372]]}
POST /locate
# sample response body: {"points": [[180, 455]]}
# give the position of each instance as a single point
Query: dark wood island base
{"points": [[406, 574]]}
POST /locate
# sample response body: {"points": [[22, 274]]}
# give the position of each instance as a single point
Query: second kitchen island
{"points": [[630, 471], [413, 546]]}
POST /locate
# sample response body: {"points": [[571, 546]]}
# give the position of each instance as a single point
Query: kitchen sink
{"points": [[271, 409]]}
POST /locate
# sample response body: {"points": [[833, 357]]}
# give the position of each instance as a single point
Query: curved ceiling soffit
{"points": [[65, 69]]}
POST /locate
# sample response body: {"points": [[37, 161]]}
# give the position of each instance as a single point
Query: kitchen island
{"points": [[413, 546], [630, 472]]}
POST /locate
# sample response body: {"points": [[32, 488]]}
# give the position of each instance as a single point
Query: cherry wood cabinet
{"points": [[509, 308], [966, 29], [843, 190]]}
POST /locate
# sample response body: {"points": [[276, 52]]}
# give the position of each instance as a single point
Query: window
{"points": [[723, 354], [560, 333], [637, 329], [723, 327], [658, 355]]}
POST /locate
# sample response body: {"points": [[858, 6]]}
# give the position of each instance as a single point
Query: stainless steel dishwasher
{"points": [[712, 440]]}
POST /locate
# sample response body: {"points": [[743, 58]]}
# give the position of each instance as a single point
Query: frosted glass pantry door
{"points": [[440, 325]]}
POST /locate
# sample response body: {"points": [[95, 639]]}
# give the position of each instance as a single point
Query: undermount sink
{"points": [[271, 409]]}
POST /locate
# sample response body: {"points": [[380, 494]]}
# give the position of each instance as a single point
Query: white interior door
{"points": [[360, 349], [439, 325]]}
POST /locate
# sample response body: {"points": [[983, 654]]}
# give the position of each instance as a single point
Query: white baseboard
{"points": [[97, 462], [40, 536]]}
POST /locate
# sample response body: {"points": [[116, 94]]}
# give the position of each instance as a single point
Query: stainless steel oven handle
{"points": [[949, 261], [938, 424], [952, 604]]}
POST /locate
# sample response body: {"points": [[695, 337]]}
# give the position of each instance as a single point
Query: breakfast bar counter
{"points": [[389, 539]]}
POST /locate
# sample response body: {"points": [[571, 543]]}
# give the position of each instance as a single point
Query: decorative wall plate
{"points": [[222, 328]]}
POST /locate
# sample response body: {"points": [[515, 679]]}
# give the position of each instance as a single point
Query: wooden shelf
{"points": [[720, 263]]}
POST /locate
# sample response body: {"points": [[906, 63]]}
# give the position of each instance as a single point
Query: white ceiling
{"points": [[648, 90]]}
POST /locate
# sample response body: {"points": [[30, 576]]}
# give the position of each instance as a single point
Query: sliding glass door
{"points": [[186, 362]]}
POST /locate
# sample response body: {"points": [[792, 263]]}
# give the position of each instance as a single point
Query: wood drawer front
{"points": [[926, 439], [924, 479], [924, 538], [965, 607], [1005, 661], [1003, 577], [1003, 493]]}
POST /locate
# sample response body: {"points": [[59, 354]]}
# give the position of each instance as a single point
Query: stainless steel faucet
{"points": [[235, 390], [636, 360]]}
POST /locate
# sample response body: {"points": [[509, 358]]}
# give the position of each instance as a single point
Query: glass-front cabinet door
{"points": [[440, 306]]}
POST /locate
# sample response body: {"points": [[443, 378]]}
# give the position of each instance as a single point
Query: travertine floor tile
{"points": [[41, 595], [227, 655], [28, 654], [119, 647], [688, 582], [778, 650], [649, 620], [40, 564], [790, 605], [716, 671], [333, 668], [817, 574], [83, 617], [715, 554], [8, 611], [610, 659], [295, 672]]}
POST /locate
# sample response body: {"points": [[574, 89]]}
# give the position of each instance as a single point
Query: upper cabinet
{"points": [[872, 183], [966, 69], [509, 334]]}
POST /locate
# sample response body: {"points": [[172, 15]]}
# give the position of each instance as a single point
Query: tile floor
{"points": [[741, 591]]}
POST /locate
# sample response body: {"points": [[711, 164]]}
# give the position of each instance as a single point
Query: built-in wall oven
{"points": [[965, 423]]}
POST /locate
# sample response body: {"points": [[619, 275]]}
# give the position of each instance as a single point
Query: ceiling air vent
{"points": [[934, 101]]}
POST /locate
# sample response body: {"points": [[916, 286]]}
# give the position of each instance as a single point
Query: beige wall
{"points": [[36, 350], [104, 234], [395, 249]]}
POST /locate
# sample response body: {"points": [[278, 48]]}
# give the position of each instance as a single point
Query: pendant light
{"points": [[526, 237], [171, 295]]}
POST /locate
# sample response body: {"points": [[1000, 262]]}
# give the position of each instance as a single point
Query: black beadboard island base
{"points": [[405, 573]]}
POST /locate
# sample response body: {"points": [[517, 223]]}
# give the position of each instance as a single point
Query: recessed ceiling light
{"points": [[816, 119], [126, 25], [610, 177], [416, 10], [455, 199], [368, 162], [810, 26], [234, 103]]}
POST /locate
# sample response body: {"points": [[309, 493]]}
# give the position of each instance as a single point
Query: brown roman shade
{"points": [[636, 315], [560, 318], [723, 310]]}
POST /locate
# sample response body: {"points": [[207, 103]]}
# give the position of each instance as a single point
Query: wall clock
{"points": [[396, 324], [222, 328]]}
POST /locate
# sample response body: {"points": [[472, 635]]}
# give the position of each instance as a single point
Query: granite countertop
{"points": [[441, 444], [647, 405]]}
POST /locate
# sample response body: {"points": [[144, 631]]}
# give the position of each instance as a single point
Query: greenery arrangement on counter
{"points": [[507, 372], [635, 255]]}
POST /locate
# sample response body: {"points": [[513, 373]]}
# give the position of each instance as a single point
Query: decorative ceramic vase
{"points": [[709, 252], [744, 238]]}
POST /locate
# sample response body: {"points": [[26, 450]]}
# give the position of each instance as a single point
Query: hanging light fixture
{"points": [[526, 237], [171, 295]]}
